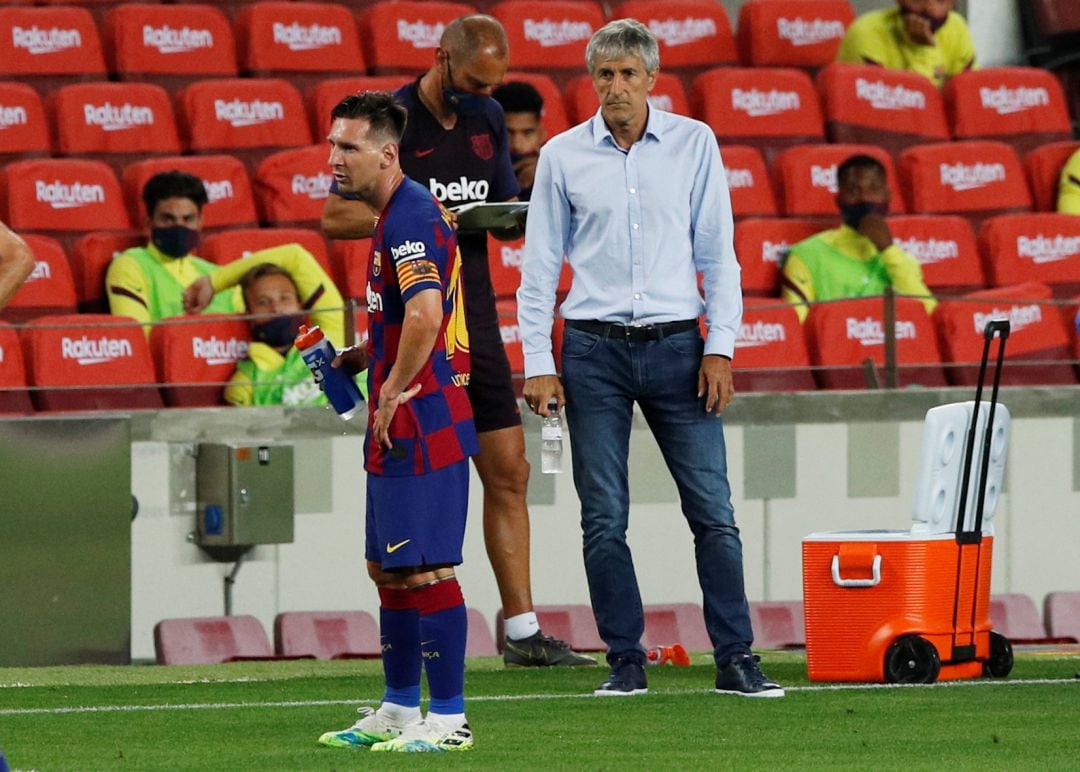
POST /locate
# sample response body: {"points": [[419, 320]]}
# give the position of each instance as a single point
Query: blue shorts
{"points": [[417, 521]]}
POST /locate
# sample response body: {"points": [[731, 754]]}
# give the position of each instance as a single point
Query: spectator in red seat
{"points": [[923, 36], [523, 106], [858, 259], [16, 263], [1069, 186]]}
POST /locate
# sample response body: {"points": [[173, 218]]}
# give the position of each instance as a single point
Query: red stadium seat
{"points": [[230, 202], [792, 33], [805, 178], [1024, 106], [246, 117], [553, 118], [24, 132], [771, 109], [770, 351], [402, 36], [49, 47], [748, 181], [14, 398], [479, 642], [1042, 247], [171, 45], [571, 622], [1043, 167], [91, 254], [89, 362], [210, 640], [235, 243], [894, 109], [778, 624], [98, 8], [324, 96], [349, 260], [843, 334], [1061, 612], [1015, 616], [504, 261], [667, 94], [195, 357], [762, 244], [682, 623], [975, 179], [946, 249], [291, 186], [551, 36], [327, 634], [1038, 335], [49, 289]]}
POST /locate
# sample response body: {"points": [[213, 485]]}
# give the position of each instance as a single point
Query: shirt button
{"points": [[637, 296], [633, 190], [635, 226]]}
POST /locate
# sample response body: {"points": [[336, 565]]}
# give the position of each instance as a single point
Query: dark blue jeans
{"points": [[603, 378]]}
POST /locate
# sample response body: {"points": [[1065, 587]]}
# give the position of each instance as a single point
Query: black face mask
{"points": [[278, 332], [175, 241], [463, 103], [852, 214]]}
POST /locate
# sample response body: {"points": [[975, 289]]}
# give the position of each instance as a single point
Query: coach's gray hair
{"points": [[623, 37]]}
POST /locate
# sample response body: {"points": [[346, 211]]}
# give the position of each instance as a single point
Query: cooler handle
{"points": [[841, 582]]}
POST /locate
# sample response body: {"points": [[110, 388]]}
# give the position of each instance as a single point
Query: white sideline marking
{"points": [[507, 697]]}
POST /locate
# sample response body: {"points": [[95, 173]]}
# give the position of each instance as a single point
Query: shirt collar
{"points": [[654, 127]]}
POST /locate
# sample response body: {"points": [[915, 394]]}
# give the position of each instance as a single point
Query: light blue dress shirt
{"points": [[637, 227]]}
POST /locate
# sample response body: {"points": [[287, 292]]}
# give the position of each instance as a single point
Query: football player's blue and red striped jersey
{"points": [[414, 249]]}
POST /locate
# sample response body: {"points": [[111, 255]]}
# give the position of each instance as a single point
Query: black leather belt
{"points": [[632, 332]]}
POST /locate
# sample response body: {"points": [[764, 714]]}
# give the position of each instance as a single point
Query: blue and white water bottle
{"points": [[340, 387]]}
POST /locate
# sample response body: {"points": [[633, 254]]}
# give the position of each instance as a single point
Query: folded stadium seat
{"points": [[748, 181], [1024, 106], [305, 42], [250, 118], [1042, 247], [777, 624], [14, 398], [210, 640], [553, 118], [479, 642], [1015, 616], [682, 623], [170, 45], [792, 33], [667, 94], [194, 357], [805, 178], [504, 262], [1061, 614], [24, 133], [946, 249], [1043, 167], [325, 95], [762, 245], [230, 201], [694, 35], [768, 108], [894, 109], [549, 37], [232, 244], [770, 350], [402, 36], [118, 123], [89, 362], [49, 47], [506, 308], [291, 186], [573, 623], [1037, 340], [327, 634], [349, 260], [976, 179], [98, 8], [49, 289], [843, 334], [90, 257]]}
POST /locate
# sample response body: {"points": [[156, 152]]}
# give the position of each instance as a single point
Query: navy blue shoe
{"points": [[742, 676], [627, 678]]}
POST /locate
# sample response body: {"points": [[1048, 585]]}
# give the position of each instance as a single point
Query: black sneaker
{"points": [[627, 678], [539, 650], [742, 676]]}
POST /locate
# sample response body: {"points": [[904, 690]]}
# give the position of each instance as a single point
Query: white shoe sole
{"points": [[631, 693], [766, 694]]}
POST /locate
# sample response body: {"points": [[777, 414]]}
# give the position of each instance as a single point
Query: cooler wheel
{"points": [[912, 660], [1000, 662]]}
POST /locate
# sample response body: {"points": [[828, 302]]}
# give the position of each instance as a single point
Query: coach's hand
{"points": [[540, 390], [715, 383]]}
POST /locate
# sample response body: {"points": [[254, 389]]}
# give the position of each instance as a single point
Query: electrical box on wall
{"points": [[245, 494]]}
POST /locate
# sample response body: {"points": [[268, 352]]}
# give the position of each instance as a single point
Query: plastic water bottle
{"points": [[551, 440], [340, 387], [668, 655]]}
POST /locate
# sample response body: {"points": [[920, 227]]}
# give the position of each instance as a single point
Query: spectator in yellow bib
{"points": [[923, 36], [1069, 186]]}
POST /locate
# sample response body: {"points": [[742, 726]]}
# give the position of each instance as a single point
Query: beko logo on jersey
{"points": [[871, 331], [679, 32], [215, 351], [931, 250], [550, 33], [90, 351], [882, 96], [1005, 101], [45, 41], [60, 195], [757, 103], [306, 38], [420, 34], [1047, 249], [315, 187], [239, 113], [462, 190], [168, 40], [112, 117], [739, 178], [823, 177], [800, 32], [218, 189], [409, 250], [1019, 317], [962, 176], [13, 116], [760, 334]]}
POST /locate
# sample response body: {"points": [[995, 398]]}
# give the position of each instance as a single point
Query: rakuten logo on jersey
{"points": [[238, 113], [298, 37], [800, 32], [15, 115], [374, 300], [1047, 249], [823, 177], [931, 250], [1006, 101], [1019, 317], [738, 179], [680, 32], [216, 190], [871, 331], [95, 351], [758, 104], [110, 117], [409, 250], [218, 351], [550, 33], [882, 96], [54, 40], [419, 33], [168, 40], [774, 251], [61, 195], [461, 191], [760, 334], [315, 188], [962, 176], [511, 256]]}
